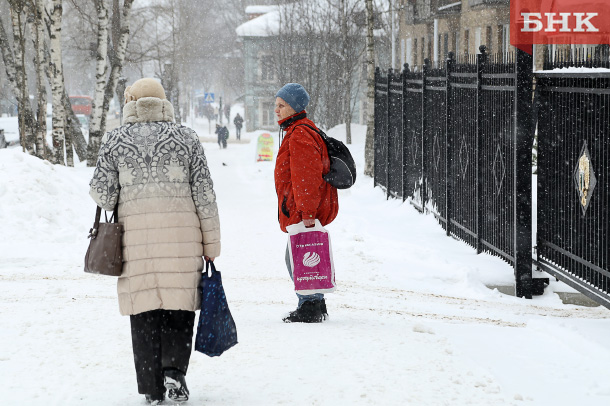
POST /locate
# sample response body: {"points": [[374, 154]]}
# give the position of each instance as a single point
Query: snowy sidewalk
{"points": [[411, 323]]}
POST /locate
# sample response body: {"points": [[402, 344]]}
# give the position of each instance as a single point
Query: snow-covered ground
{"points": [[411, 323]]}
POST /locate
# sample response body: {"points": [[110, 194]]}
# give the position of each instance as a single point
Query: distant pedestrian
{"points": [[302, 193], [239, 122], [228, 112], [156, 171], [223, 135]]}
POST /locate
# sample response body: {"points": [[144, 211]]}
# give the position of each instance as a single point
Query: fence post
{"points": [[523, 140], [375, 135], [481, 61], [387, 155], [405, 70], [449, 140], [424, 185]]}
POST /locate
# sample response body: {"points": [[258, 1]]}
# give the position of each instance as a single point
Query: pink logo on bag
{"points": [[312, 265], [311, 259]]}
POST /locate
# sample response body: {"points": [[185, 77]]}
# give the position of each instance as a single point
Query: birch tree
{"points": [[57, 88], [120, 36], [101, 70], [40, 62], [369, 145], [14, 63]]}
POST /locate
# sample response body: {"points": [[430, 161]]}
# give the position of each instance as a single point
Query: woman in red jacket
{"points": [[302, 193]]}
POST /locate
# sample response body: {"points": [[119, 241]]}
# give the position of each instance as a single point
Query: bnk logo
{"points": [[567, 22], [559, 22], [311, 259]]}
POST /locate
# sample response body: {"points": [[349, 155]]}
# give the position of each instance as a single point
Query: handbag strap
{"points": [[115, 214], [98, 214]]}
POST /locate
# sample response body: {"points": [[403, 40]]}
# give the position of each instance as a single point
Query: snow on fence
{"points": [[456, 140]]}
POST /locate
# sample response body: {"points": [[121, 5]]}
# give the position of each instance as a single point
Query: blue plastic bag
{"points": [[216, 330]]}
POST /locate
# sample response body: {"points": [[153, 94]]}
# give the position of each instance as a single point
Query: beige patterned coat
{"points": [[158, 172]]}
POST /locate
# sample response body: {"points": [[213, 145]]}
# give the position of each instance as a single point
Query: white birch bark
{"points": [[57, 87], [369, 145], [101, 74], [26, 117], [116, 64], [38, 36]]}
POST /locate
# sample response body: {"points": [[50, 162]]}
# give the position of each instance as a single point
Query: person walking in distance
{"points": [[302, 193], [157, 172], [238, 121]]}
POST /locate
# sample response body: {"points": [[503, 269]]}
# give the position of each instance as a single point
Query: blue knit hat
{"points": [[295, 95]]}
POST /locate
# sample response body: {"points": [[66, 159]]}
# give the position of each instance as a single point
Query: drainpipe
{"points": [[436, 61]]}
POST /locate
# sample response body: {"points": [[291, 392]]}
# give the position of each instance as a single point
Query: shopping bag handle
{"points": [[207, 267]]}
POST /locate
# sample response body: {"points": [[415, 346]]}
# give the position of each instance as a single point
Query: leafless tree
{"points": [[120, 36], [14, 62], [55, 12], [369, 146]]}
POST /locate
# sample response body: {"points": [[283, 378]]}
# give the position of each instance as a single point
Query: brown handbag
{"points": [[105, 253]]}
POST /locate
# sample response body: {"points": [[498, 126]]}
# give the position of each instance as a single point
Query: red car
{"points": [[81, 104]]}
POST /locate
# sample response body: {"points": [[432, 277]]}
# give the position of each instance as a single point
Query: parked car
{"points": [[81, 104]]}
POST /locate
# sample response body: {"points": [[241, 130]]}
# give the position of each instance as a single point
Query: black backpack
{"points": [[342, 174]]}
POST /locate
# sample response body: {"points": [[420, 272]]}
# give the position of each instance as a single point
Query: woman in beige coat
{"points": [[157, 172]]}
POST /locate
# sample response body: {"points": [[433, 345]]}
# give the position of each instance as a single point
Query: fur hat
{"points": [[295, 95], [146, 87]]}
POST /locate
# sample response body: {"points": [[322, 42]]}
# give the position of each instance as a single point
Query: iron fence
{"points": [[465, 133], [457, 140]]}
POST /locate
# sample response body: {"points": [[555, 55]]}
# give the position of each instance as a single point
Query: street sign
{"points": [[208, 98]]}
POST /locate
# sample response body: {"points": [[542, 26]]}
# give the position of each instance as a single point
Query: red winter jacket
{"points": [[301, 161]]}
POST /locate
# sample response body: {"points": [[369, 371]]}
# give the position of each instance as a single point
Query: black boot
{"points": [[155, 399], [323, 309], [309, 312], [176, 385]]}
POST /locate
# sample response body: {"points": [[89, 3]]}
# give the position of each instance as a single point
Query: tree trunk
{"points": [[27, 124], [40, 62], [57, 86], [347, 71], [117, 59], [72, 124], [369, 146], [101, 73]]}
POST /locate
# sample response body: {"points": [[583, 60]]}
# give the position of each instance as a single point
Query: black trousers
{"points": [[161, 339]]}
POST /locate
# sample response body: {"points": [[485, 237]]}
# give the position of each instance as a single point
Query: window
{"points": [[415, 53], [488, 40], [477, 40], [267, 114], [445, 46], [466, 41], [267, 67]]}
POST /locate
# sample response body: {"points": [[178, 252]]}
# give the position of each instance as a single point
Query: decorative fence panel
{"points": [[413, 136], [381, 130], [498, 95], [462, 128], [435, 140], [395, 138], [574, 177]]}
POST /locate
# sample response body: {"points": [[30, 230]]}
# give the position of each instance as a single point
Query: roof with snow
{"points": [[266, 25]]}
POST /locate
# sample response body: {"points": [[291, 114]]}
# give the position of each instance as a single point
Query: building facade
{"points": [[430, 29]]}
